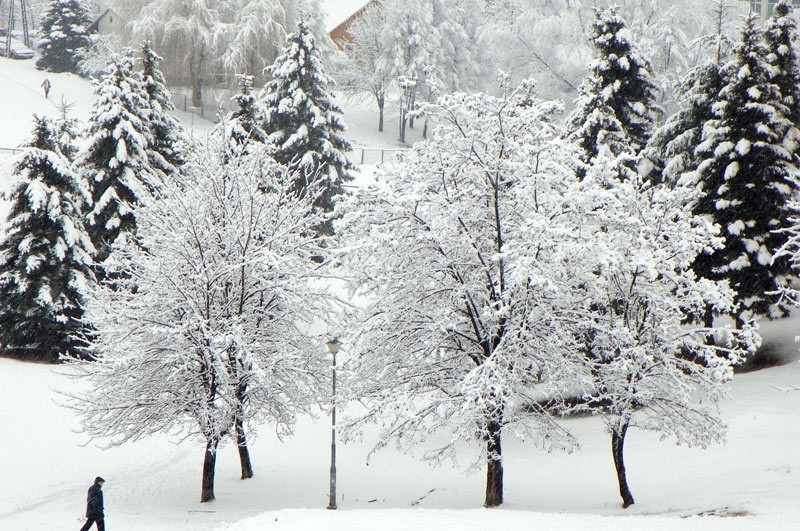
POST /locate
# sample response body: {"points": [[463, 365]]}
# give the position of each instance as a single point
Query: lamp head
{"points": [[333, 345]]}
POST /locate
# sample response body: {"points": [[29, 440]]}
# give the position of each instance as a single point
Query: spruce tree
{"points": [[244, 125], [672, 147], [780, 36], [62, 30], [169, 142], [617, 103], [748, 178], [303, 124], [115, 161], [45, 258]]}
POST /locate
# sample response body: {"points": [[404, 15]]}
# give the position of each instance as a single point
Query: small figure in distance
{"points": [[46, 86], [94, 506]]}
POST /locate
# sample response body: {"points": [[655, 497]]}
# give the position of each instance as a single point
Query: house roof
{"points": [[94, 25], [340, 33]]}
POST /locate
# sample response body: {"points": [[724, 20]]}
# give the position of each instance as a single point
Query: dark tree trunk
{"points": [[617, 449], [708, 317], [209, 468], [244, 453], [381, 106], [402, 125], [494, 467], [197, 92]]}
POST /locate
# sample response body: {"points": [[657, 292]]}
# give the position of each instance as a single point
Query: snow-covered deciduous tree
{"points": [[187, 31], [456, 250], [206, 329], [435, 43], [644, 366], [115, 161], [748, 177], [303, 124], [45, 255], [203, 41], [169, 140], [366, 68], [255, 35], [619, 93], [62, 28]]}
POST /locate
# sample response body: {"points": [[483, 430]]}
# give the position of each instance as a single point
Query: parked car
{"points": [[18, 49]]}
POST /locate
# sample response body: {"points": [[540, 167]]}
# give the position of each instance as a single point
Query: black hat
{"points": [[98, 479]]}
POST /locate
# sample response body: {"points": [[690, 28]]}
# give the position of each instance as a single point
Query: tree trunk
{"points": [[244, 453], [617, 450], [209, 467], [381, 106], [402, 125], [494, 467], [197, 92]]}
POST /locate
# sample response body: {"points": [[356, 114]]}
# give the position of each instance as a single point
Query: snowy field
{"points": [[751, 483]]}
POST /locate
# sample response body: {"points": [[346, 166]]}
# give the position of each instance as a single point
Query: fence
{"points": [[373, 155], [9, 151]]}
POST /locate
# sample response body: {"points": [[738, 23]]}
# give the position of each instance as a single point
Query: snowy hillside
{"points": [[752, 483]]}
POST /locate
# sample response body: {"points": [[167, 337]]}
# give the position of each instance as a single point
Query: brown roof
{"points": [[340, 33]]}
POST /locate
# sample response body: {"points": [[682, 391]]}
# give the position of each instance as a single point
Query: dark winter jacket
{"points": [[94, 502]]}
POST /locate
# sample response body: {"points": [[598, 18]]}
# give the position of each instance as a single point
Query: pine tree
{"points": [[63, 35], [45, 257], [781, 36], [617, 103], [672, 147], [244, 125], [302, 123], [748, 178], [116, 162], [167, 151]]}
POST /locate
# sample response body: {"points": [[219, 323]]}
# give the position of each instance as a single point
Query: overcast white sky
{"points": [[338, 10]]}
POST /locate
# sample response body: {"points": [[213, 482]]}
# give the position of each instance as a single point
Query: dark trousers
{"points": [[101, 526]]}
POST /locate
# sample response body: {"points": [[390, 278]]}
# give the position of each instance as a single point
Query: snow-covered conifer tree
{"points": [[116, 162], [169, 140], [618, 98], [45, 255], [456, 252], [63, 36], [644, 367], [781, 37], [748, 178], [244, 125], [671, 149], [207, 330], [302, 122]]}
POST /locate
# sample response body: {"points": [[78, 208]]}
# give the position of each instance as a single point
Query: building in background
{"points": [[765, 7]]}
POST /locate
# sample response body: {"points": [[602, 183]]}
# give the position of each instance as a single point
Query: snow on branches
{"points": [[205, 327], [503, 288]]}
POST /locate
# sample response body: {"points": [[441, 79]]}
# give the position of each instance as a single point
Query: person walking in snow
{"points": [[94, 506], [46, 87]]}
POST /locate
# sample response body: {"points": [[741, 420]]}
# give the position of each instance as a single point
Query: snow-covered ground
{"points": [[751, 483]]}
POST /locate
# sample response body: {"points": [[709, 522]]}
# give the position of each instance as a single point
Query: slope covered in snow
{"points": [[752, 482]]}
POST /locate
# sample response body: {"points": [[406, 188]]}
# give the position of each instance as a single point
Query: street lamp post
{"points": [[333, 347]]}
